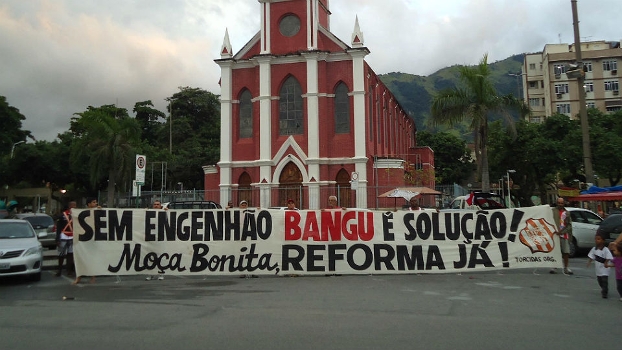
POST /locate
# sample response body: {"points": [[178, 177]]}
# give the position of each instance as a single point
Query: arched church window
{"points": [[246, 115], [342, 110], [290, 108]]}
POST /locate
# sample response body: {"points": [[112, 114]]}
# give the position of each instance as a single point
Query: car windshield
{"points": [[10, 230], [39, 221]]}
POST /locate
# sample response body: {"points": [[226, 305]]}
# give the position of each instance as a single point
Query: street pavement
{"points": [[519, 309]]}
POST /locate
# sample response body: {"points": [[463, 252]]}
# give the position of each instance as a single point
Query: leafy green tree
{"points": [[151, 122], [107, 139], [195, 135], [452, 157], [475, 102], [606, 143]]}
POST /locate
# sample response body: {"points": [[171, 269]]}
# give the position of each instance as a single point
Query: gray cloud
{"points": [[59, 57]]}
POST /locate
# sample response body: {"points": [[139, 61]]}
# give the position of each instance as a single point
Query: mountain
{"points": [[415, 92]]}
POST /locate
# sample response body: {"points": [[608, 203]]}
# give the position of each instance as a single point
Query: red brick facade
{"points": [[379, 142]]}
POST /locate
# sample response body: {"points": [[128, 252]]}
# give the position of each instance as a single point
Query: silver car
{"points": [[584, 225], [44, 227], [20, 250]]}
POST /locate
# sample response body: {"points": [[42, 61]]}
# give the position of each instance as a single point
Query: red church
{"points": [[303, 116]]}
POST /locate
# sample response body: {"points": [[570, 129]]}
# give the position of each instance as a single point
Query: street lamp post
{"points": [[13, 148], [511, 171]]}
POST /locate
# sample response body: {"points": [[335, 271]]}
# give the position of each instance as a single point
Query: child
{"points": [[616, 263], [602, 256]]}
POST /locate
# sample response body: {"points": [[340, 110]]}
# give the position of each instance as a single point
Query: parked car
{"points": [[192, 205], [20, 250], [44, 227], [481, 200], [611, 227], [584, 225]]}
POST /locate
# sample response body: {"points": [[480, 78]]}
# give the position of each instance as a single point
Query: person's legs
{"points": [[619, 288], [61, 260], [603, 282]]}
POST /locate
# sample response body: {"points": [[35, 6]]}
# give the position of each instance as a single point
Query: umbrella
{"points": [[408, 192], [400, 193]]}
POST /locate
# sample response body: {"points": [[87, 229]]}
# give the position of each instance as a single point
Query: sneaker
{"points": [[553, 271], [148, 278], [568, 272], [160, 278]]}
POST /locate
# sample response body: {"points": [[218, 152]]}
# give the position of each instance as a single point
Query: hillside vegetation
{"points": [[415, 92]]}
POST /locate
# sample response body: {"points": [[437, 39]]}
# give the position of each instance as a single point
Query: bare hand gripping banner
{"points": [[307, 242]]}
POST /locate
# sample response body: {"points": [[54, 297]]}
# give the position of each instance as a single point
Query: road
{"points": [[521, 309]]}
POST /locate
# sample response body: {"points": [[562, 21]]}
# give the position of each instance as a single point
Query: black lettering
{"points": [[383, 254], [369, 257], [387, 226], [288, 260]]}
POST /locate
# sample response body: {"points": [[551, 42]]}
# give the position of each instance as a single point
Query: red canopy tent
{"points": [[594, 197]]}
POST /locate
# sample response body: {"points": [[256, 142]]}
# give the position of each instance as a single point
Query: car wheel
{"points": [[36, 277], [572, 248]]}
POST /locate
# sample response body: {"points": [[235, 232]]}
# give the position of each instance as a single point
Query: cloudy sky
{"points": [[57, 57]]}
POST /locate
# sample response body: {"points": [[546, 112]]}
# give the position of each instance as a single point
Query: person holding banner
{"points": [[291, 205], [64, 240], [332, 204], [414, 204], [564, 230], [91, 203]]}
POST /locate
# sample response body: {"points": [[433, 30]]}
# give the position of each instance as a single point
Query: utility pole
{"points": [[585, 129], [170, 126]]}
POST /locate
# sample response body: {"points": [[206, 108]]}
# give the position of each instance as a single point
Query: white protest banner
{"points": [[276, 242]]}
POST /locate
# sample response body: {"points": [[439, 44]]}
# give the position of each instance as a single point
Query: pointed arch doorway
{"points": [[290, 185], [343, 187]]}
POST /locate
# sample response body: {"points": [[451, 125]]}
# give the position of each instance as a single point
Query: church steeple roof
{"points": [[357, 35], [225, 50]]}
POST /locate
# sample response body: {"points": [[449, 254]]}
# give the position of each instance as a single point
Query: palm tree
{"points": [[476, 102], [108, 137]]}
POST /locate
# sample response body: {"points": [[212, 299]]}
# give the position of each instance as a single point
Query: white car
{"points": [[20, 250], [584, 225]]}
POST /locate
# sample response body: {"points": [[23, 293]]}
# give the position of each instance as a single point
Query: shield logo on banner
{"points": [[538, 235]]}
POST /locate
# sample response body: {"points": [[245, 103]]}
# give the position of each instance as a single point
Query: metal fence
{"points": [[346, 197]]}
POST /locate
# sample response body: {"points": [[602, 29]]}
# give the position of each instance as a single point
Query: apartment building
{"points": [[548, 89]]}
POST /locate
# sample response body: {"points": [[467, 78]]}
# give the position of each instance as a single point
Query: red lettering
{"points": [[366, 233], [331, 225], [292, 225], [312, 229]]}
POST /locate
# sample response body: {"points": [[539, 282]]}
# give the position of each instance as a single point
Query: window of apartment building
{"points": [[290, 108], [532, 66], [588, 86], [561, 88], [614, 108], [342, 110], [559, 69], [610, 65], [612, 85], [591, 105], [533, 84], [246, 115], [534, 102], [587, 67], [563, 108], [543, 101], [536, 119]]}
